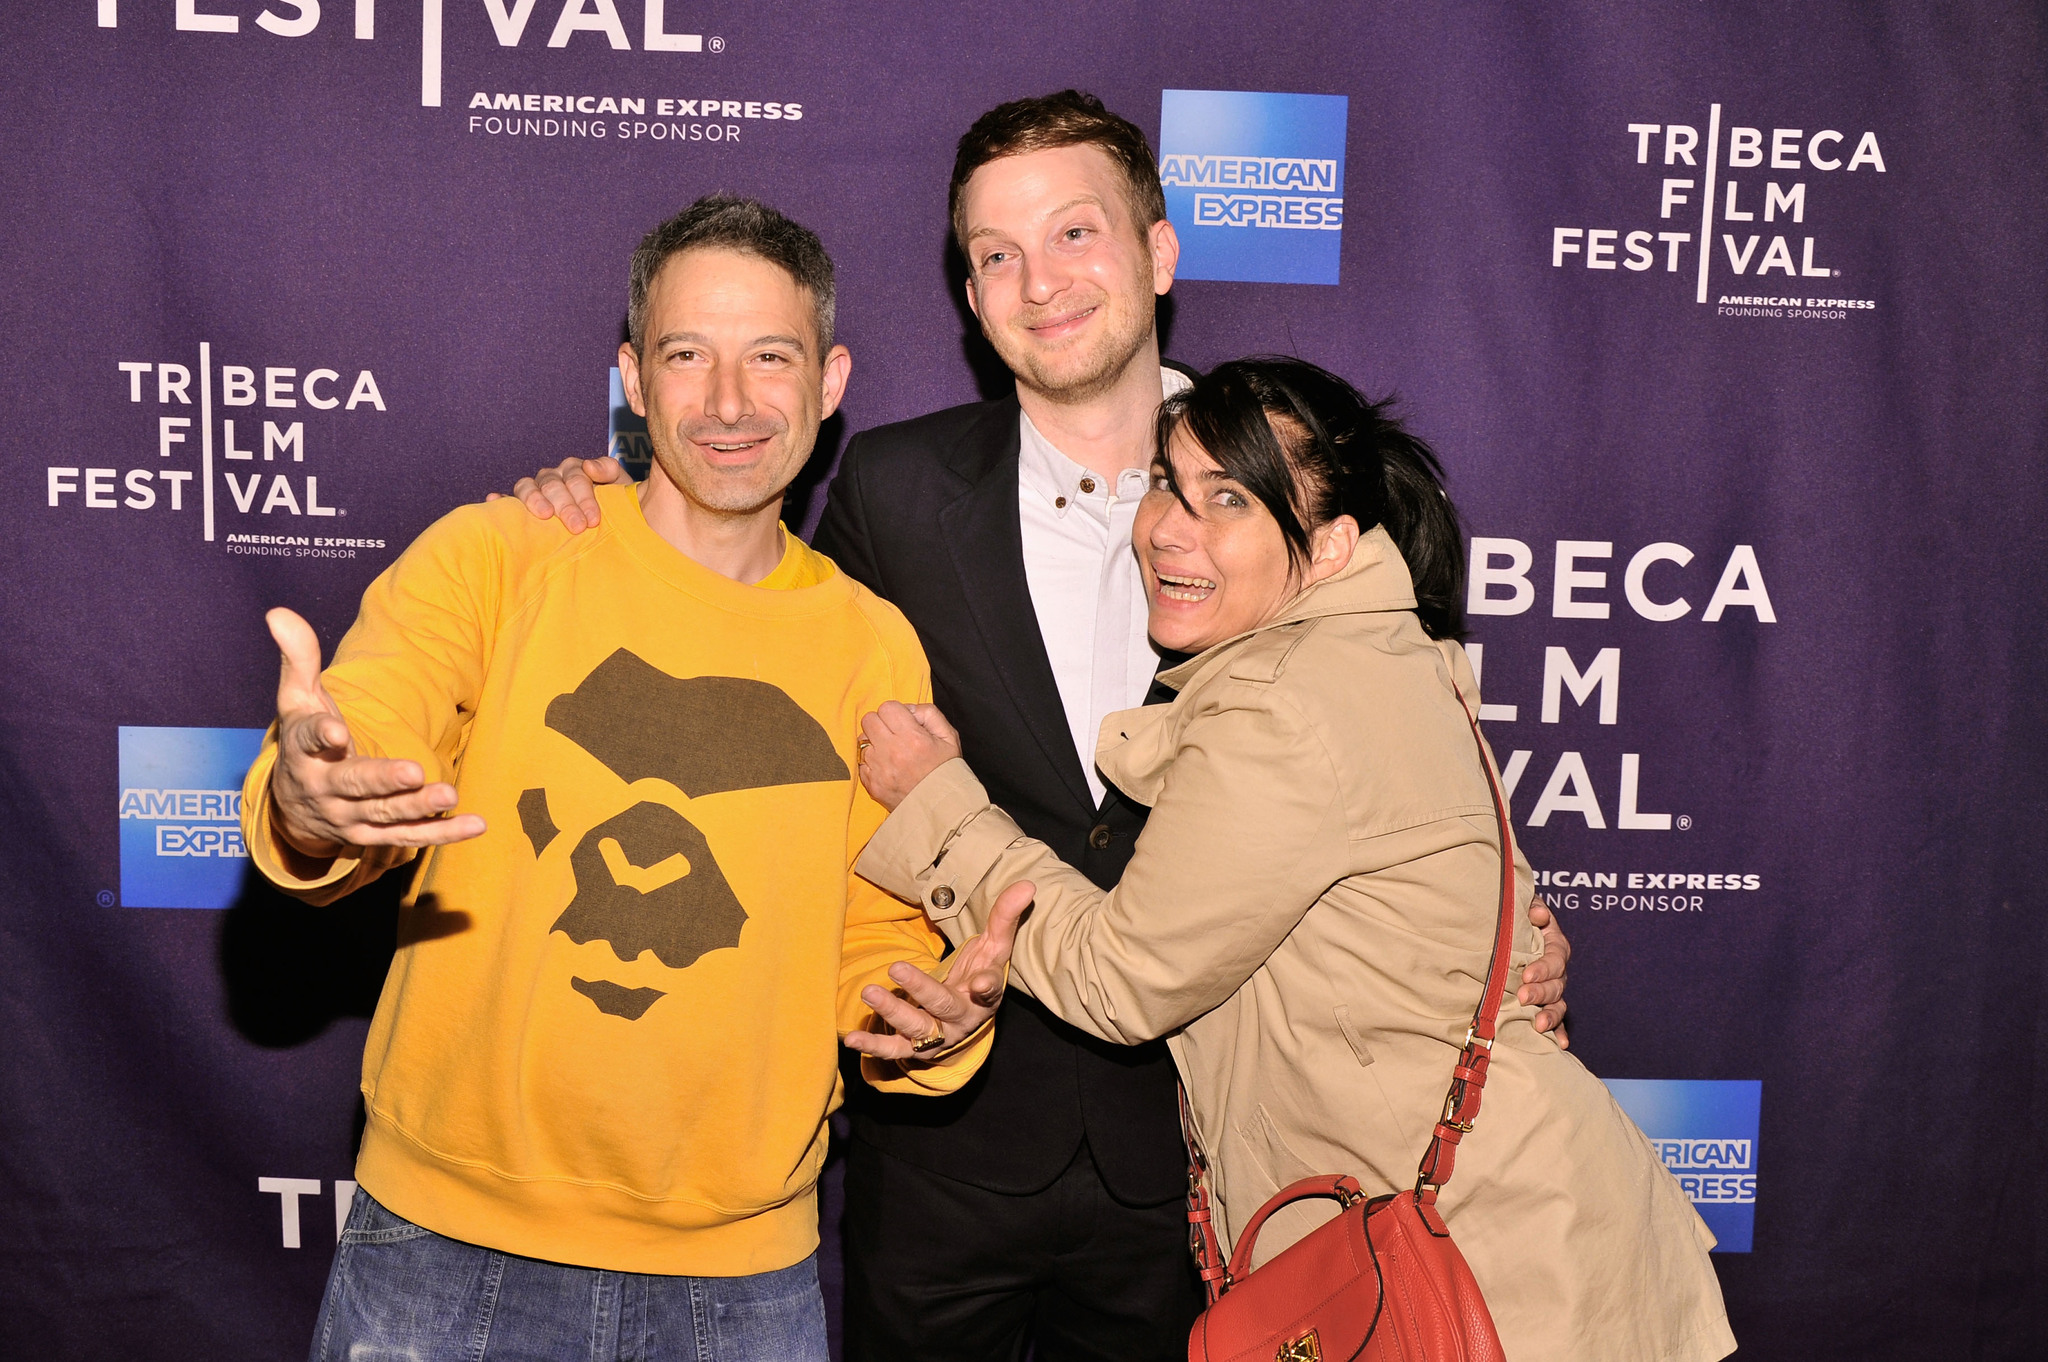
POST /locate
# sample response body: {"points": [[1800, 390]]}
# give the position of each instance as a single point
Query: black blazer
{"points": [[924, 513]]}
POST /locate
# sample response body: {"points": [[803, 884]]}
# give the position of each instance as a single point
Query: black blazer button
{"points": [[1098, 836]]}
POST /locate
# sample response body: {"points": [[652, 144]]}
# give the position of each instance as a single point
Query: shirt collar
{"points": [[1046, 473]]}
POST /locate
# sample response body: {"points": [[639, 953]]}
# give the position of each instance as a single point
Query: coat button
{"points": [[942, 897], [1098, 836]]}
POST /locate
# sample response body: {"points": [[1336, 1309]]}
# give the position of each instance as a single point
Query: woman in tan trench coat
{"points": [[1311, 907]]}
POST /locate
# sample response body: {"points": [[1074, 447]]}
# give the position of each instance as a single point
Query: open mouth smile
{"points": [[1175, 588], [719, 451]]}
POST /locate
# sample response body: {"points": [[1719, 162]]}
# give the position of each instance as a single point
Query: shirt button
{"points": [[1060, 503], [1087, 484], [942, 897], [1098, 836]]}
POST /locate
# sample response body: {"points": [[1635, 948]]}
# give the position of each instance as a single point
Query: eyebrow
{"points": [[1199, 475], [697, 338], [1074, 202]]}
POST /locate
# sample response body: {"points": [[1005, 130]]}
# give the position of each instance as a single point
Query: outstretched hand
{"points": [[568, 491], [328, 798], [953, 1008], [1543, 980]]}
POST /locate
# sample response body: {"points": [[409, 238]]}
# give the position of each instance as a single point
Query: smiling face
{"points": [[1219, 566], [731, 380], [1060, 273]]}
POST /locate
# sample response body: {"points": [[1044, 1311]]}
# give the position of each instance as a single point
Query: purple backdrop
{"points": [[1854, 738]]}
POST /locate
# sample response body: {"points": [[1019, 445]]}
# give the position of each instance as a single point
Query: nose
{"points": [[1172, 528], [725, 398], [1043, 279]]}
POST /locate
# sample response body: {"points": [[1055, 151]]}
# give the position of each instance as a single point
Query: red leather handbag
{"points": [[1382, 1282]]}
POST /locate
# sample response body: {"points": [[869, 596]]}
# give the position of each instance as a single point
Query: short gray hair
{"points": [[731, 223]]}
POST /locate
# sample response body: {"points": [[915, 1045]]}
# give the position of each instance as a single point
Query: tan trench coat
{"points": [[1307, 919]]}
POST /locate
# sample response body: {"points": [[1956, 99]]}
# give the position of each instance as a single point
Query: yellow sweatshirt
{"points": [[610, 1034]]}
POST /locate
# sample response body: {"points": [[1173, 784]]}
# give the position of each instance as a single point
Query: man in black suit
{"points": [[1041, 1206]]}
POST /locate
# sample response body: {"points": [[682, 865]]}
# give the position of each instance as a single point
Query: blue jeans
{"points": [[398, 1291]]}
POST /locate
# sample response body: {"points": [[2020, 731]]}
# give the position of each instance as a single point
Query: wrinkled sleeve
{"points": [[406, 676], [881, 930], [1212, 889]]}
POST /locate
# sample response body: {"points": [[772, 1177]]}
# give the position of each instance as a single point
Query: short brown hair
{"points": [[734, 224], [1067, 119]]}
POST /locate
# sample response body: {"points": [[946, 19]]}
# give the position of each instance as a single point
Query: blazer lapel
{"points": [[985, 538]]}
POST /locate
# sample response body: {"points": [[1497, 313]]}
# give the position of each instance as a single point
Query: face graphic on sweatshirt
{"points": [[646, 878]]}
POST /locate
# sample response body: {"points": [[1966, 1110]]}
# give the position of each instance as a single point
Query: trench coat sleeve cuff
{"points": [[938, 845]]}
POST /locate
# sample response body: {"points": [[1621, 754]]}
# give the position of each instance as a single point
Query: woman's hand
{"points": [[901, 745], [938, 1015]]}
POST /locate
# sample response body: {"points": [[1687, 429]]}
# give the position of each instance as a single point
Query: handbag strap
{"points": [[1468, 1078], [1209, 1264]]}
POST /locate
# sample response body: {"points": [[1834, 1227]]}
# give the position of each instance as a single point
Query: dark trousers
{"points": [[943, 1270]]}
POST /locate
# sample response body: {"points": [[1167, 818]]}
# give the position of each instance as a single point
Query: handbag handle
{"points": [[1468, 1078], [1342, 1186]]}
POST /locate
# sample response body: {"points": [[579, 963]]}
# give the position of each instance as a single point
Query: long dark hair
{"points": [[1311, 448]]}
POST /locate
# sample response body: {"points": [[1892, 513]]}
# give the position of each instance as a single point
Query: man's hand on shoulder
{"points": [[567, 492], [326, 798], [1543, 980]]}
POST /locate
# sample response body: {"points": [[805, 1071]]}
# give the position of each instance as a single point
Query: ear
{"points": [[973, 298], [629, 376], [1330, 550], [838, 368], [1165, 244]]}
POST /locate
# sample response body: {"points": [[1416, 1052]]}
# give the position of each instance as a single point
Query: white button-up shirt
{"points": [[1084, 581]]}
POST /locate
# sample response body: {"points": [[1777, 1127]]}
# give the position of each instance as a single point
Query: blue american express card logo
{"points": [[628, 443], [1254, 183], [1705, 1130], [181, 811]]}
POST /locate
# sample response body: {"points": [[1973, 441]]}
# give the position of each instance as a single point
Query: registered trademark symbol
{"points": [[344, 510], [1684, 822], [718, 44], [1836, 273], [105, 898]]}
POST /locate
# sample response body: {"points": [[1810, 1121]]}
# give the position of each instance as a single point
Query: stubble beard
{"points": [[736, 493], [1101, 373]]}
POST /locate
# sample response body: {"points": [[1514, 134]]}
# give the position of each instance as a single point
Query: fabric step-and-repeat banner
{"points": [[1728, 321]]}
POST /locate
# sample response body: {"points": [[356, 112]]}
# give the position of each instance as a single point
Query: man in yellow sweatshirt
{"points": [[598, 1076]]}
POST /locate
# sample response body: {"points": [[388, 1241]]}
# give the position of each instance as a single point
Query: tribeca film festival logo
{"points": [[1705, 1131], [1254, 183], [1659, 583], [1752, 230], [699, 114], [181, 815], [228, 441], [289, 1190]]}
